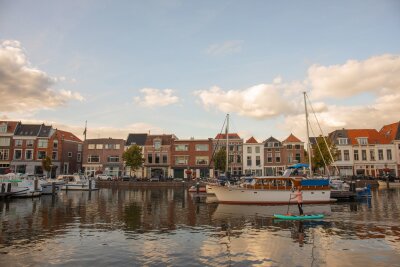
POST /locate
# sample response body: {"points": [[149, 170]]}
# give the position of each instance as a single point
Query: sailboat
{"points": [[275, 189]]}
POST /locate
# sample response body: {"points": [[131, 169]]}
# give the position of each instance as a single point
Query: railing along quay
{"points": [[136, 184]]}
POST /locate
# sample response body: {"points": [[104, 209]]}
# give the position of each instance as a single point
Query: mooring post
{"points": [[53, 188]]}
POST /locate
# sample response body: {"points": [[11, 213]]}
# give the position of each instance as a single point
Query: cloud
{"points": [[25, 88], [261, 101], [379, 74], [227, 47], [156, 97]]}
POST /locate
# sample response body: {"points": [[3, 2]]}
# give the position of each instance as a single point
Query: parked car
{"points": [[104, 177], [126, 178], [154, 179]]}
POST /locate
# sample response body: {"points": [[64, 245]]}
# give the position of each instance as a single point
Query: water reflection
{"points": [[165, 226]]}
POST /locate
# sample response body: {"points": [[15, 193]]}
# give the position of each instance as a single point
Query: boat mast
{"points": [[308, 137], [227, 145]]}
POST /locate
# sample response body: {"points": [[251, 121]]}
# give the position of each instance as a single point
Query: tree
{"points": [[321, 155], [133, 158], [46, 164], [220, 160]]}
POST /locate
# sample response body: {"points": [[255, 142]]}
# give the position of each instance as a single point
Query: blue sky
{"points": [[180, 66]]}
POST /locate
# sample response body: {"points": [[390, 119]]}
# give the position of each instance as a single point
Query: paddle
{"points": [[290, 197]]}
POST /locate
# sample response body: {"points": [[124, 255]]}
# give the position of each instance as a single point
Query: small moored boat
{"points": [[299, 217]]}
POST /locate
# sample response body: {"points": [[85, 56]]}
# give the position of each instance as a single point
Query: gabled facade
{"points": [[273, 157], [293, 150], [157, 155], [253, 157], [392, 132], [7, 130], [138, 139], [103, 155], [192, 158], [235, 152], [66, 154]]}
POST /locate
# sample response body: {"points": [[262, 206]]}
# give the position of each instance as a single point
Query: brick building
{"points": [[7, 129], [138, 139], [253, 157], [157, 155], [235, 152]]}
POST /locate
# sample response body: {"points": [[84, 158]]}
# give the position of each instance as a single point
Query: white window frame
{"points": [[28, 150]]}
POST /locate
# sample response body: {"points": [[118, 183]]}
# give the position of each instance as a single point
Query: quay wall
{"points": [[127, 184]]}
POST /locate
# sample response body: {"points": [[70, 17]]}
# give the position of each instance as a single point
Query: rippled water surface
{"points": [[169, 227]]}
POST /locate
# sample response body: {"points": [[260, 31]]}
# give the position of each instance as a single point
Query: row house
{"points": [[103, 155], [253, 157], [279, 155], [235, 151], [192, 158], [392, 132], [138, 139], [67, 153], [7, 129], [363, 152], [157, 155]]}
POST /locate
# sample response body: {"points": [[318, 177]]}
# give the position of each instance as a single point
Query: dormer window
{"points": [[3, 128], [362, 141], [342, 141]]}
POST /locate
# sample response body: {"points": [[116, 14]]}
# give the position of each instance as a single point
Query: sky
{"points": [[178, 67]]}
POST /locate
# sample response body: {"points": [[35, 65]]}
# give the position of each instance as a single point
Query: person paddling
{"points": [[299, 196]]}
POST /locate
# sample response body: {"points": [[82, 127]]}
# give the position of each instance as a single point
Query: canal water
{"points": [[170, 227]]}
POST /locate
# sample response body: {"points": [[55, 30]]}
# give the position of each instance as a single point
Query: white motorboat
{"points": [[22, 187], [77, 182]]}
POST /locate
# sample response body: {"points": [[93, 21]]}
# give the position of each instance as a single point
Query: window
{"points": [[3, 128], [239, 159], [93, 158], [248, 160], [150, 158], [230, 159], [17, 154], [231, 147], [79, 147], [298, 157], [165, 158], [342, 141], [18, 143], [5, 141], [363, 141], [289, 146], [290, 158], [113, 159], [201, 147], [91, 146], [181, 160], [269, 149], [389, 154], [157, 158], [41, 154], [29, 143], [249, 149], [270, 144], [339, 155], [78, 157], [364, 154], [297, 147], [355, 154], [258, 161], [372, 155], [276, 144], [157, 144], [269, 157], [346, 155], [182, 147], [42, 143], [239, 148], [99, 146], [54, 155], [55, 144], [202, 160], [117, 146], [257, 149], [69, 154], [380, 154], [4, 154], [277, 157]]}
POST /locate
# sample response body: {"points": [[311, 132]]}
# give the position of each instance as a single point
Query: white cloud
{"points": [[227, 47], [379, 74], [25, 88], [156, 97]]}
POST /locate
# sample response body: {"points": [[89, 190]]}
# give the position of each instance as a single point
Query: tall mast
{"points": [[227, 144], [308, 137]]}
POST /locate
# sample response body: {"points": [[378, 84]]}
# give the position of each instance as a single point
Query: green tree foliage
{"points": [[318, 158], [220, 159], [46, 164], [133, 157]]}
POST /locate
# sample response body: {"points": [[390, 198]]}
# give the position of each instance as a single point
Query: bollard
{"points": [[9, 187], [36, 183], [197, 188], [3, 187], [90, 185], [53, 188]]}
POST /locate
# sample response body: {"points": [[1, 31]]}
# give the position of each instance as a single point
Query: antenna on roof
{"points": [[84, 132]]}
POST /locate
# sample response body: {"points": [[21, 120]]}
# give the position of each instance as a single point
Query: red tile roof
{"points": [[374, 137], [68, 136], [230, 135], [390, 130], [252, 140], [292, 139], [11, 125]]}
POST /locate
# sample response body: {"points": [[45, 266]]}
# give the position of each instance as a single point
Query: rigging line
{"points": [[319, 149], [216, 146], [323, 135]]}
